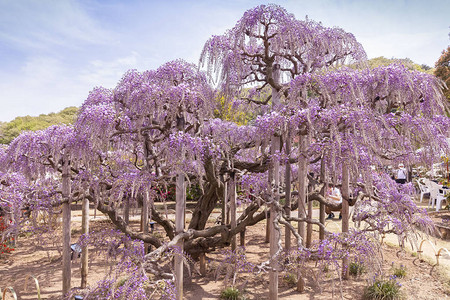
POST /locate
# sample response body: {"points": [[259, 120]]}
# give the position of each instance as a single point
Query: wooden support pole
{"points": [[180, 207], [287, 204], [233, 209], [202, 262], [145, 202], [224, 202], [242, 238], [322, 206], [274, 234], [126, 211], [345, 214], [66, 255], [302, 187], [302, 190], [84, 249]]}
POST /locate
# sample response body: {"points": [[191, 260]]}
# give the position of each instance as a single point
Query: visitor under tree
{"points": [[400, 174], [333, 194]]}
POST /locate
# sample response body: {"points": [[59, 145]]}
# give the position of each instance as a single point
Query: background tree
{"points": [[10, 130], [442, 70]]}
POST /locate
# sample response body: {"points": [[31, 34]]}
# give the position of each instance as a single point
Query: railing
{"points": [[13, 293]]}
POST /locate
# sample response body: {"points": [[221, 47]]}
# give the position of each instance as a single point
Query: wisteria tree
{"points": [[336, 109], [317, 123]]}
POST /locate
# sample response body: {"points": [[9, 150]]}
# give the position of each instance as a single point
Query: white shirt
{"points": [[335, 195], [401, 173]]}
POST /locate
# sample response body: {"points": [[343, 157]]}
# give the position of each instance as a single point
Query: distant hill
{"points": [[383, 61], [10, 130]]}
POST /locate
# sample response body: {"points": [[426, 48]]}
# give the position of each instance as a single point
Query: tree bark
{"points": [[208, 201]]}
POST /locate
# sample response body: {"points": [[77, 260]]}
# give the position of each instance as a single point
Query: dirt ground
{"points": [[422, 281]]}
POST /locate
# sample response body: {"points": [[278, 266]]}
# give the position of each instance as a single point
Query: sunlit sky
{"points": [[52, 53]]}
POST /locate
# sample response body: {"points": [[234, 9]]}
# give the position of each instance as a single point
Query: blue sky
{"points": [[52, 53]]}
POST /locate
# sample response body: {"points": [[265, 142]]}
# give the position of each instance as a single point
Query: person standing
{"points": [[333, 194], [401, 174]]}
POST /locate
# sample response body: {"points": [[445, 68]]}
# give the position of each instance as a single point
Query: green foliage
{"points": [[383, 61], [442, 70], [121, 282], [193, 192], [356, 268], [226, 111], [383, 289], [231, 293], [399, 272], [10, 130], [290, 279]]}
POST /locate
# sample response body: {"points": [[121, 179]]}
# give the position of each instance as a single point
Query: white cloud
{"points": [[43, 24], [107, 73]]}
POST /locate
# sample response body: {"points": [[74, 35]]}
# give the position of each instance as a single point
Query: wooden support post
{"points": [[274, 234], [126, 211], [322, 207], [145, 202], [302, 187], [302, 190], [233, 209], [84, 249], [202, 262], [224, 202], [66, 255], [287, 204], [345, 214], [179, 227], [242, 238]]}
